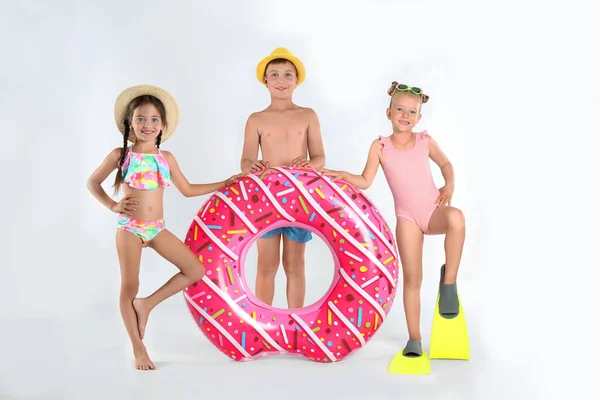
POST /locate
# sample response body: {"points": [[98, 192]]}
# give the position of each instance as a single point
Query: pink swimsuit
{"points": [[408, 174]]}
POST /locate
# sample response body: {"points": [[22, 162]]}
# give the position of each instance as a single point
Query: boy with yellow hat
{"points": [[286, 134]]}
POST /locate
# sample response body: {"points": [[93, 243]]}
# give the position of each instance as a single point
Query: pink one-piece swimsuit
{"points": [[409, 177]]}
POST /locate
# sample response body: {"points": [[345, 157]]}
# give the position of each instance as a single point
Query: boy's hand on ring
{"points": [[259, 165], [301, 162]]}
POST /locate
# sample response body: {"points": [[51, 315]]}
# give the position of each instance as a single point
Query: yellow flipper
{"points": [[404, 365], [449, 336]]}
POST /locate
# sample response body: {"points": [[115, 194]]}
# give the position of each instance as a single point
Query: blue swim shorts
{"points": [[296, 234]]}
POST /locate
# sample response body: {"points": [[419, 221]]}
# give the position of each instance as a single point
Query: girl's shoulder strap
{"points": [[422, 140], [423, 135], [383, 142], [161, 154]]}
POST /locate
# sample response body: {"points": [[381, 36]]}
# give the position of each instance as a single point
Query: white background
{"points": [[514, 103]]}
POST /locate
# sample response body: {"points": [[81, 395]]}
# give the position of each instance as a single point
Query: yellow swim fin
{"points": [[449, 335], [411, 363]]}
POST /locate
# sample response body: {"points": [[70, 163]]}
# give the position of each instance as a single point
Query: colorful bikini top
{"points": [[146, 171]]}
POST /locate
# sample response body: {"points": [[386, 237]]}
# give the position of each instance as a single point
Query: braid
{"points": [[122, 158], [158, 139]]}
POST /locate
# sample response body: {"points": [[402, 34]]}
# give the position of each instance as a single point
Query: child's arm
{"points": [[316, 151], [249, 162], [193, 189], [437, 156], [94, 184], [364, 180]]}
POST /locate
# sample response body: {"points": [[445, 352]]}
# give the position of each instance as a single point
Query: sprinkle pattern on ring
{"points": [[364, 250]]}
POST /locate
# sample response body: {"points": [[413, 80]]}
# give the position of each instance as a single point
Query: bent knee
{"points": [[196, 271], [456, 219]]}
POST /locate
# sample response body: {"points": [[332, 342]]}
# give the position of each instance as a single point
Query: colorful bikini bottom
{"points": [[145, 230]]}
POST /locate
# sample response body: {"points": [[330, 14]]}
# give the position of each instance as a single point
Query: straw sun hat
{"points": [[171, 108]]}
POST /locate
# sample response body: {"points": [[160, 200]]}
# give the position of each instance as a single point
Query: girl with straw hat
{"points": [[147, 117]]}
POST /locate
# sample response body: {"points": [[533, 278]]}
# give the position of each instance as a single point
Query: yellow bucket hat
{"points": [[171, 108], [280, 52]]}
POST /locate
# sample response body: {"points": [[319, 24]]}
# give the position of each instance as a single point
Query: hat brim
{"points": [[171, 108], [260, 68]]}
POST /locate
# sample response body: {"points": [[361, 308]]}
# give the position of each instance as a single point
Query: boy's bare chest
{"points": [[283, 131]]}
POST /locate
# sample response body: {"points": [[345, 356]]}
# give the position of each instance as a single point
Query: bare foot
{"points": [[142, 312], [142, 360]]}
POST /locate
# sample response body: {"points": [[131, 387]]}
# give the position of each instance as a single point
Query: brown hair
{"points": [[392, 91], [279, 61], [133, 105]]}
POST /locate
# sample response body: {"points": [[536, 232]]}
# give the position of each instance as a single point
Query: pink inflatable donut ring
{"points": [[364, 253]]}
